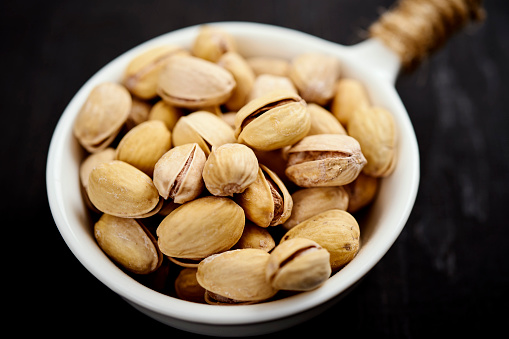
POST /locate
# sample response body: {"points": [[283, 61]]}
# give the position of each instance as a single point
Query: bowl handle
{"points": [[414, 29]]}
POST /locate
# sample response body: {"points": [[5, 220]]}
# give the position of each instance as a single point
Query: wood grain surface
{"points": [[448, 272]]}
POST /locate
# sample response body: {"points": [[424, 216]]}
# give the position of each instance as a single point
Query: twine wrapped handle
{"points": [[416, 28]]}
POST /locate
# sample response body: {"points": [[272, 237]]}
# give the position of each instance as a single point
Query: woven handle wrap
{"points": [[416, 28]]}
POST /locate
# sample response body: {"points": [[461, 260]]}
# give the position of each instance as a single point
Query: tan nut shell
{"points": [[272, 121], [144, 144], [349, 95], [204, 128], [212, 42], [315, 75], [122, 190], [236, 275], [229, 169], [269, 65], [128, 243], [258, 199], [298, 264], [178, 173], [361, 192], [187, 287], [308, 202], [102, 116], [335, 230], [166, 113], [323, 122], [201, 227], [92, 160], [244, 78], [255, 236], [191, 82], [375, 129], [341, 162], [266, 83]]}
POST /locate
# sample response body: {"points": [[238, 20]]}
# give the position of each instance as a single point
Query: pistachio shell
{"points": [[272, 121], [230, 168], [308, 202], [212, 42], [244, 78], [139, 113], [349, 95], [191, 82], [178, 173], [266, 83], [122, 190], [314, 75], [298, 264], [204, 128], [323, 122], [92, 160], [127, 243], [143, 145], [166, 113], [142, 73], [187, 287], [375, 129], [325, 160], [269, 65], [335, 230], [201, 227], [102, 116], [361, 192], [236, 275], [255, 236]]}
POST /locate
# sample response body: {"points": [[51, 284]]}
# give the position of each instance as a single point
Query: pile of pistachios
{"points": [[224, 179]]}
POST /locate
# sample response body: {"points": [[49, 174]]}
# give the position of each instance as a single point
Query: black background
{"points": [[448, 272]]}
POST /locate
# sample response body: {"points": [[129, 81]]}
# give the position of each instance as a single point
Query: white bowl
{"points": [[369, 62]]}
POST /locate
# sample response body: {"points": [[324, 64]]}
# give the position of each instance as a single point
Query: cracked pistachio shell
{"points": [[191, 82], [349, 95], [144, 144], [178, 173], [101, 117], [266, 201], [274, 120], [122, 190], [265, 83], [230, 168], [255, 236], [298, 264], [204, 128], [142, 73], [375, 129], [244, 78], [335, 230], [325, 160], [323, 122], [201, 227], [308, 202], [315, 75], [361, 192], [128, 243], [212, 42], [236, 276]]}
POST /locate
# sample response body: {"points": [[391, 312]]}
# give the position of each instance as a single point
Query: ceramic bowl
{"points": [[369, 62]]}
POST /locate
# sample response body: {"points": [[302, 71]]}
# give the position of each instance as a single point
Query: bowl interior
{"points": [[379, 229]]}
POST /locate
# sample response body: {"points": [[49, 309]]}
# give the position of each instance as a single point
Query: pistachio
{"points": [[102, 115], [166, 113], [139, 113], [204, 128], [143, 145], [230, 168], [255, 236], [335, 230], [266, 83], [325, 160], [236, 276], [349, 95], [187, 287], [142, 73], [212, 42], [361, 192], [298, 264], [269, 65], [323, 122], [191, 82], [266, 201], [272, 121], [92, 160], [314, 75], [375, 130], [244, 78], [128, 243], [229, 118], [122, 190], [200, 228], [308, 202], [178, 173]]}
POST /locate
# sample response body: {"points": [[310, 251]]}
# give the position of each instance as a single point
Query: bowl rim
{"points": [[130, 289]]}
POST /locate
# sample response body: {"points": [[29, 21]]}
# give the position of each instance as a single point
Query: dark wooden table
{"points": [[448, 272]]}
